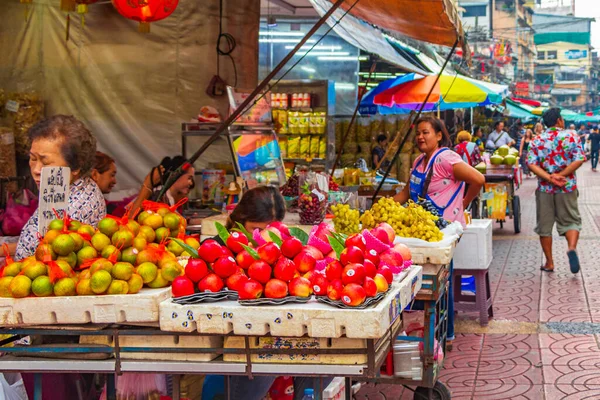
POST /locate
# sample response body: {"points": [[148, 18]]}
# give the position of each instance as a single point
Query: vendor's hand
{"points": [[558, 180]]}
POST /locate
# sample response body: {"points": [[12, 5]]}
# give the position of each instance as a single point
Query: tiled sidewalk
{"points": [[543, 342]]}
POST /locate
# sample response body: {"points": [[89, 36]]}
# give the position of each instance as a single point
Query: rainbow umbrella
{"points": [[368, 107], [450, 92]]}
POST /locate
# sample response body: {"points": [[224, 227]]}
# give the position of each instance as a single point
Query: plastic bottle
{"points": [[309, 394]]}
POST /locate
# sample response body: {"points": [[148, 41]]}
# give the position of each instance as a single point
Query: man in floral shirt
{"points": [[554, 156]]}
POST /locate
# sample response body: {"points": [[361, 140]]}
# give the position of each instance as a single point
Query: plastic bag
{"points": [[135, 386], [451, 234], [18, 210], [12, 387]]}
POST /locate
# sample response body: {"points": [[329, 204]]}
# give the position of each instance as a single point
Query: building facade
{"points": [[564, 73]]}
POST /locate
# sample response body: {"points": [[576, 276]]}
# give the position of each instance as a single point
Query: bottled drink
{"points": [[309, 394]]}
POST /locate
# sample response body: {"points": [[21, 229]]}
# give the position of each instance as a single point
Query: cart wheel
{"points": [[516, 205], [440, 392]]}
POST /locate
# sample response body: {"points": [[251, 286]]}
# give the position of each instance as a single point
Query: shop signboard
{"points": [[54, 195], [257, 112], [576, 54]]}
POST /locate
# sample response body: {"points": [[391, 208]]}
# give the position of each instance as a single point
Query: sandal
{"points": [[573, 261], [545, 269]]}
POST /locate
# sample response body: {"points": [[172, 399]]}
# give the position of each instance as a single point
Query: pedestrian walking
{"points": [[594, 143], [537, 129], [554, 156], [524, 149]]}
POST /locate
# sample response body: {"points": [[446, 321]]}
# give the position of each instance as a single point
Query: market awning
{"points": [[432, 21], [518, 110], [365, 37], [529, 102]]}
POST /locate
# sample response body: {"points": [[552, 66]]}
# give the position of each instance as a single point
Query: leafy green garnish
{"points": [[242, 229], [299, 234], [192, 252], [251, 251], [222, 231], [275, 239], [336, 246]]}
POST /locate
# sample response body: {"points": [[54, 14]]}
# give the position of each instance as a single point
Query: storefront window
{"points": [[332, 59]]}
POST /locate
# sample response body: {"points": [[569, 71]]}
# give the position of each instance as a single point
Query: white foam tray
{"points": [[313, 319], [432, 255], [107, 309], [160, 341]]}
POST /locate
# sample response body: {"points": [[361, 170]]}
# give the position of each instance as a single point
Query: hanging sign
{"points": [[54, 195]]}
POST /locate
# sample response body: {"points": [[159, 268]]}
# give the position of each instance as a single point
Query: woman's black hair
{"points": [[381, 138], [171, 164], [438, 126], [476, 129], [261, 204]]}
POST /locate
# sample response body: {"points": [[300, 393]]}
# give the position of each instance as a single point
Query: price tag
{"points": [[319, 195], [12, 106], [54, 195]]}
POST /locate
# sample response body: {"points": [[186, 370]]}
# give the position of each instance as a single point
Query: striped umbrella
{"points": [[450, 92]]}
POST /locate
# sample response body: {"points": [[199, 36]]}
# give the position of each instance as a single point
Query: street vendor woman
{"points": [[439, 175], [63, 141]]}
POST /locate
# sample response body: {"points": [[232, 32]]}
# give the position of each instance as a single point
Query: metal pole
{"points": [[339, 153], [173, 176], [410, 126]]}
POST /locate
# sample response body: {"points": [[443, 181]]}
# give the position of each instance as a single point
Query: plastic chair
{"points": [[481, 301]]}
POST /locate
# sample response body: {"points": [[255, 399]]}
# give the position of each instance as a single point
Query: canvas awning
{"points": [[432, 21]]}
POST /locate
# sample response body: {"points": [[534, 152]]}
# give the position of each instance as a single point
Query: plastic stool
{"points": [[480, 302]]}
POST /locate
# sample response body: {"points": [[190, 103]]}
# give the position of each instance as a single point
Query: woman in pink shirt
{"points": [[439, 175]]}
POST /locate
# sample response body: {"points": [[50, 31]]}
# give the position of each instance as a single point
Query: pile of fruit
{"points": [[278, 262], [505, 155], [120, 257], [312, 205], [346, 220], [410, 220]]}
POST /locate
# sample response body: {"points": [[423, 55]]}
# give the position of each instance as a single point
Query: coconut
{"points": [[481, 167], [510, 160], [503, 150], [496, 159]]}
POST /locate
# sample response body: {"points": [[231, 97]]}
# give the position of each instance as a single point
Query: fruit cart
{"points": [[498, 199], [342, 347]]}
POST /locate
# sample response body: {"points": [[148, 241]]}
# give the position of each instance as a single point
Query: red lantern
{"points": [[145, 11]]}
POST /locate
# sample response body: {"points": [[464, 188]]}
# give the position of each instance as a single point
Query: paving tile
{"points": [[499, 391], [511, 349], [571, 375], [509, 372], [571, 392], [564, 315]]}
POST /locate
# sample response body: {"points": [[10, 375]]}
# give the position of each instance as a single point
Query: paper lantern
{"points": [[145, 11]]}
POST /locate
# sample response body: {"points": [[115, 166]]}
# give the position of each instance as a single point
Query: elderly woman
{"points": [[467, 149], [64, 141]]}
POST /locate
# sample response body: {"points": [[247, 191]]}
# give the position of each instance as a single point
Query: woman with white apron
{"points": [[439, 175]]}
